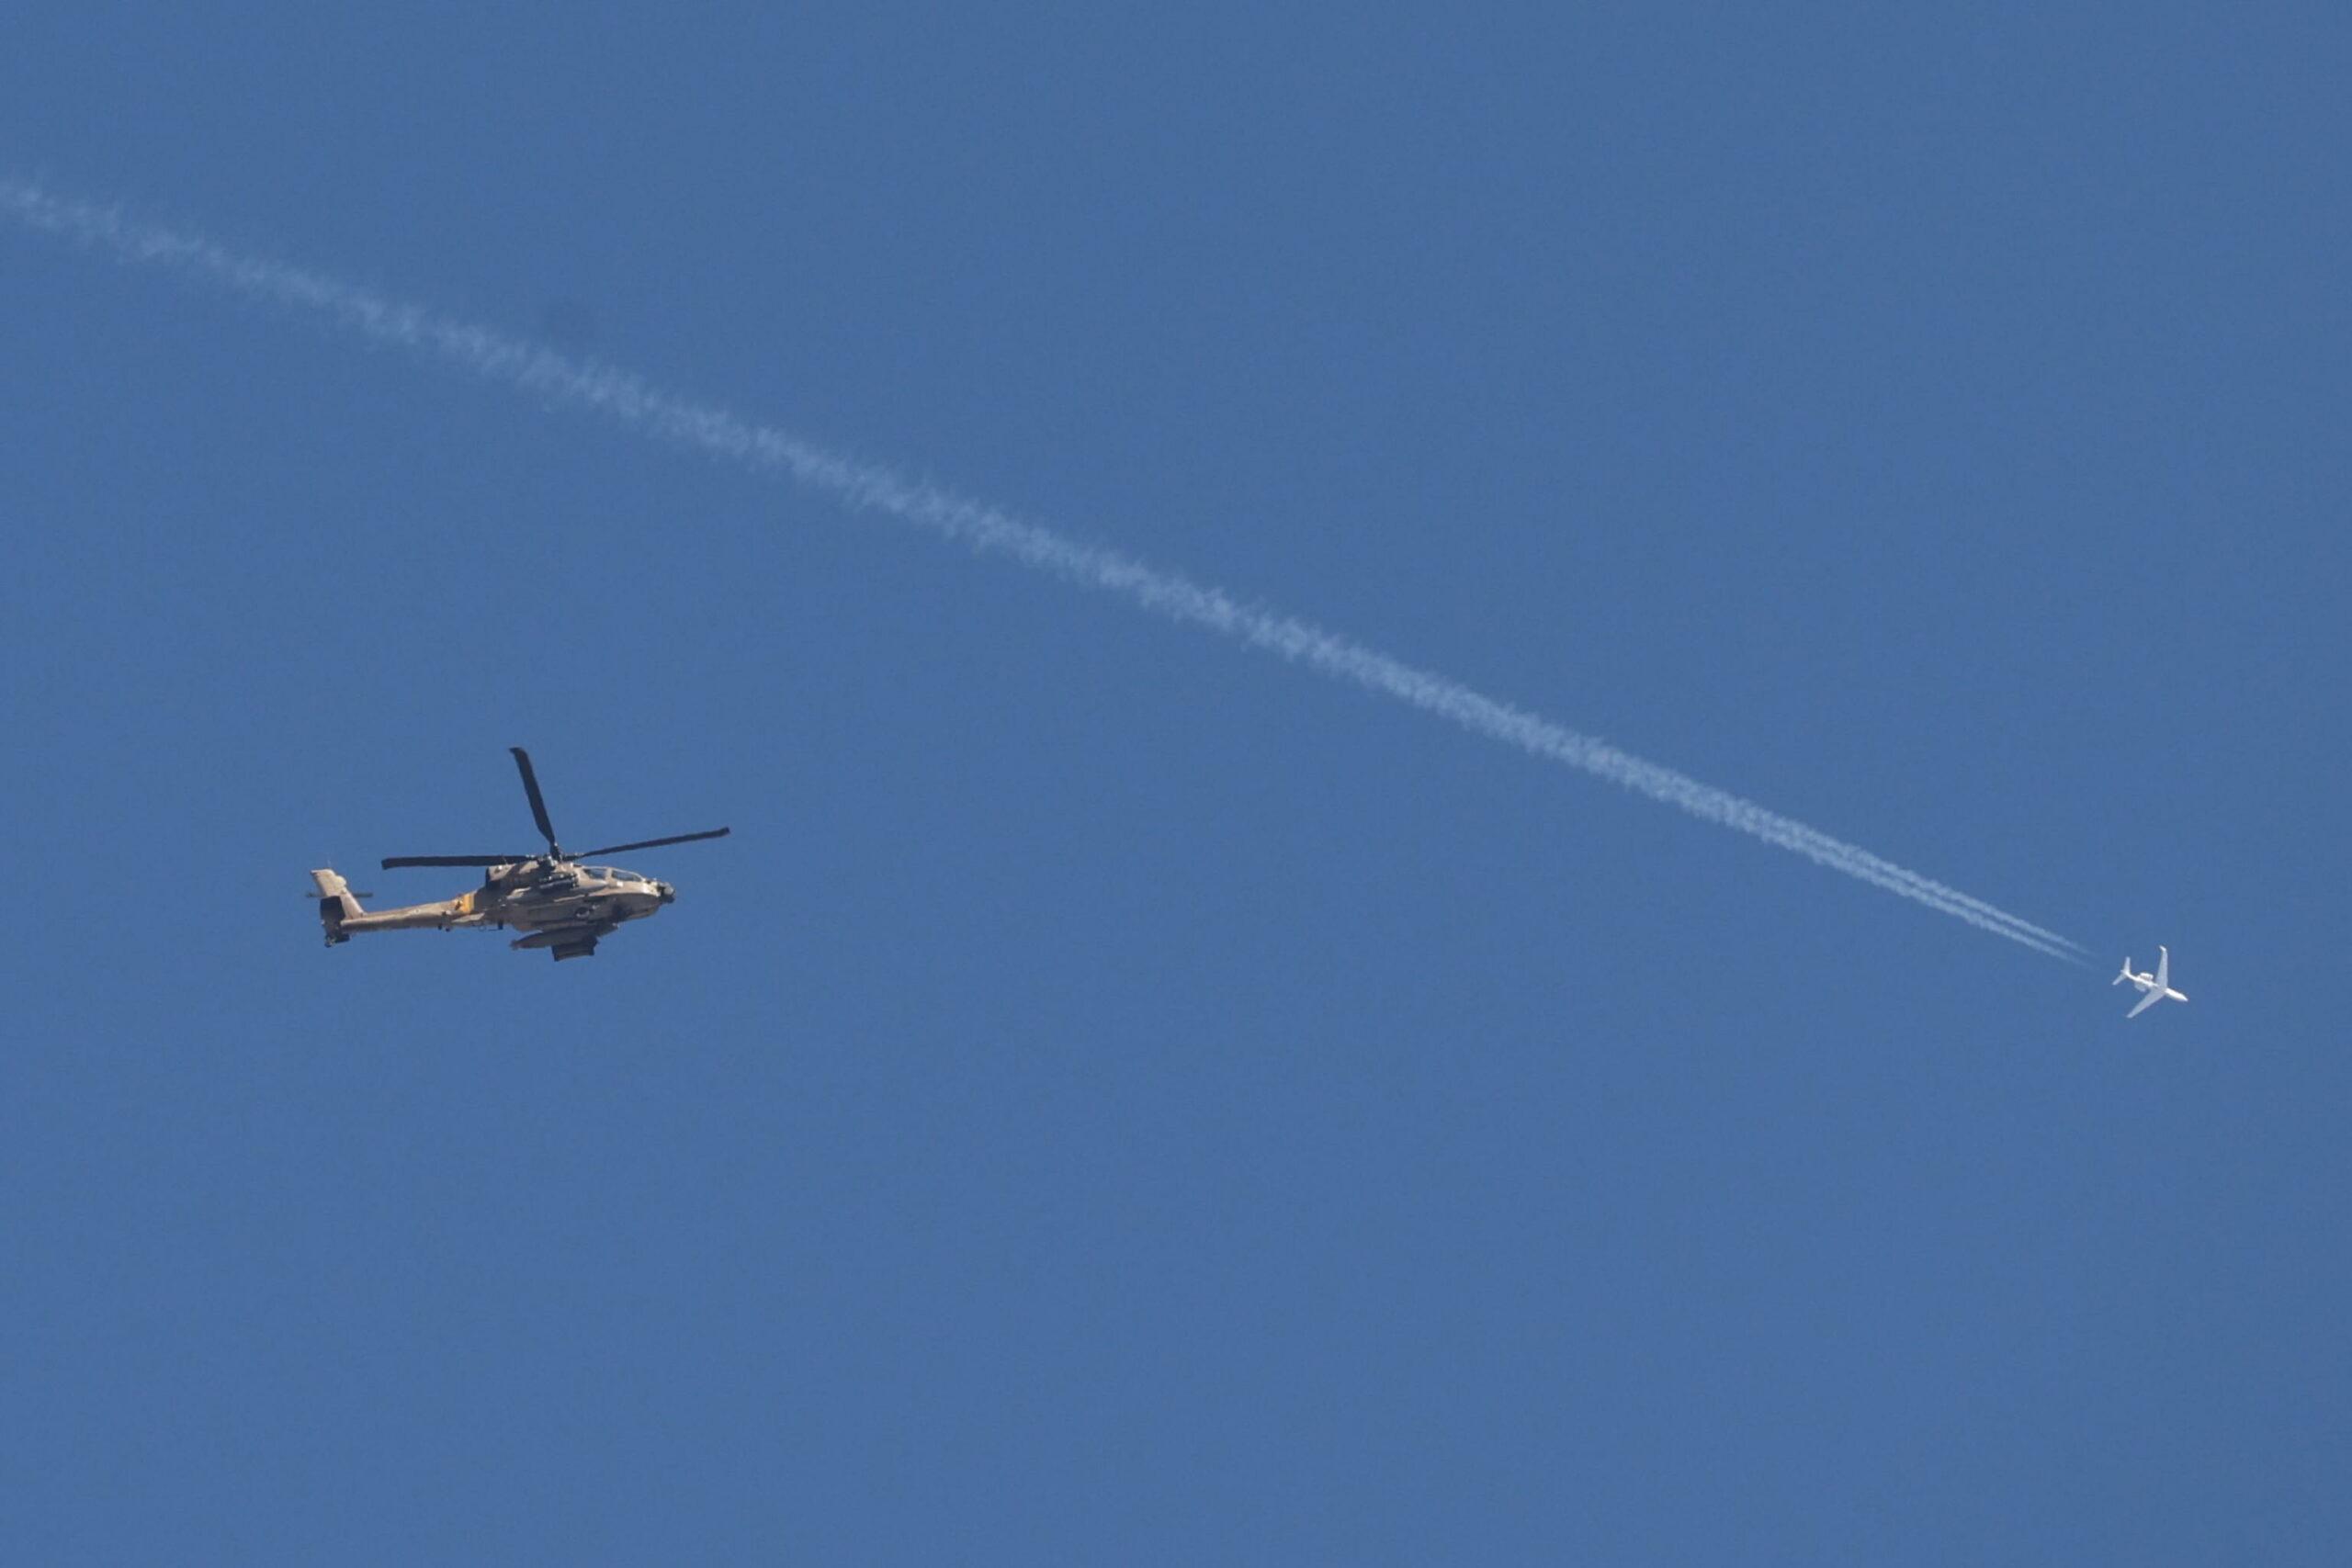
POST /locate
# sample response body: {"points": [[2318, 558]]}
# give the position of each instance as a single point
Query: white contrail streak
{"points": [[870, 488]]}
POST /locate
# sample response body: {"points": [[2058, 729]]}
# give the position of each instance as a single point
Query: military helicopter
{"points": [[564, 905]]}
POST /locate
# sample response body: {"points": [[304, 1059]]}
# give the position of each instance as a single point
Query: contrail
{"points": [[866, 487]]}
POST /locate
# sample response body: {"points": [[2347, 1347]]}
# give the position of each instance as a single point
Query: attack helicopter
{"points": [[564, 905]]}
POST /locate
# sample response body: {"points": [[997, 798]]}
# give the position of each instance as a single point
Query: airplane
{"points": [[564, 905], [2158, 986]]}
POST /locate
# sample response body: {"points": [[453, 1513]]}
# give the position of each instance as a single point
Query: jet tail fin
{"points": [[336, 904], [2124, 976]]}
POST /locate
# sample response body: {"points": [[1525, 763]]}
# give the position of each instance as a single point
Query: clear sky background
{"points": [[1117, 1098]]}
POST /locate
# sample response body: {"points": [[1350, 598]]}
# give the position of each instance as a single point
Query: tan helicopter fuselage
{"points": [[560, 902], [564, 905]]}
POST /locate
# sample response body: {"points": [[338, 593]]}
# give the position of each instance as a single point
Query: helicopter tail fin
{"points": [[336, 904]]}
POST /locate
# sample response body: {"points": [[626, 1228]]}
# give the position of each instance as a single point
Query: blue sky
{"points": [[1117, 1097]]}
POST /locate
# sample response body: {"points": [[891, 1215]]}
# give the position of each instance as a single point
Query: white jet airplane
{"points": [[2158, 986]]}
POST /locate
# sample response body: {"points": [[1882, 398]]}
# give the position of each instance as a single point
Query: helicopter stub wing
{"points": [[568, 942]]}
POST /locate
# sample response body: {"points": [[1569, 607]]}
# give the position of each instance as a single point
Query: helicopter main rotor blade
{"points": [[531, 788], [652, 843], [396, 861]]}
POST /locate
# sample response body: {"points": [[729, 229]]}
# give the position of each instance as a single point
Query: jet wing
{"points": [[2164, 967], [2151, 1000]]}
